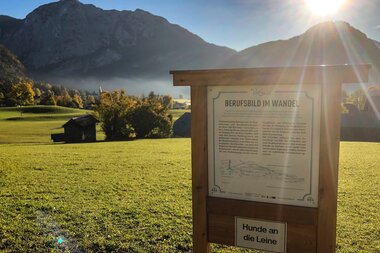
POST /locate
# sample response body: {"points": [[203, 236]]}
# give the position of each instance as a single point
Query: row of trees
{"points": [[125, 117], [27, 92]]}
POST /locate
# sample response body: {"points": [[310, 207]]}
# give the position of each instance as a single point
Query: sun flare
{"points": [[325, 7]]}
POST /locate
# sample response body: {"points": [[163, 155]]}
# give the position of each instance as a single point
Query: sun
{"points": [[325, 7]]}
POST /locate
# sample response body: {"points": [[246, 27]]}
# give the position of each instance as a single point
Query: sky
{"points": [[237, 24]]}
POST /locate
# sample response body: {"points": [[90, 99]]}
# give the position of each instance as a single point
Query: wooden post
{"points": [[199, 168], [308, 229], [328, 161]]}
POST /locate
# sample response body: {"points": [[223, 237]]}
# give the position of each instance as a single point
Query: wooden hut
{"points": [[78, 129]]}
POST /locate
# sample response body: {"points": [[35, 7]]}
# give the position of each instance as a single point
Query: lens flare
{"points": [[325, 7]]}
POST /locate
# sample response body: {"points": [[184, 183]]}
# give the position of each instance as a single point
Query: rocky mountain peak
{"points": [[69, 1], [335, 29], [69, 38]]}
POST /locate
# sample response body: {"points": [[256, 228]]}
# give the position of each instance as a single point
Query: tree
{"points": [[167, 101], [48, 98], [127, 117], [344, 96], [372, 104], [43, 86], [150, 118], [65, 100], [114, 112], [74, 92], [37, 92], [2, 98], [77, 101], [58, 90], [23, 93], [358, 98], [90, 99]]}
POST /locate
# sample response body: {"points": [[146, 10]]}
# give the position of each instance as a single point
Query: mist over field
{"points": [[133, 86]]}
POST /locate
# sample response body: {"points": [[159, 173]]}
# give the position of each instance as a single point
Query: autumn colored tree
{"points": [[358, 98], [23, 93], [90, 99], [2, 97], [65, 99], [150, 118], [114, 112], [48, 98], [77, 101], [37, 92], [126, 117]]}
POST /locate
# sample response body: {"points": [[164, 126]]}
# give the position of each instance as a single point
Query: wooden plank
{"points": [[221, 229], [267, 211], [199, 168], [328, 162], [282, 75], [300, 238]]}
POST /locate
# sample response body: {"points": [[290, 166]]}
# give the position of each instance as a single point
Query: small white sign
{"points": [[260, 235]]}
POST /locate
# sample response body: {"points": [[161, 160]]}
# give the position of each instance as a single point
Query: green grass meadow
{"points": [[135, 196], [34, 124]]}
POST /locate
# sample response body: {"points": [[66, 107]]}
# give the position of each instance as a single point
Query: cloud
{"points": [[377, 27]]}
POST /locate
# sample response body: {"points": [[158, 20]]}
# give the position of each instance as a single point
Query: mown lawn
{"points": [[34, 124], [136, 196], [129, 196], [177, 113], [358, 227]]}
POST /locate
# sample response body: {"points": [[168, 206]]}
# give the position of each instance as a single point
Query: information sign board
{"points": [[264, 143], [265, 146]]}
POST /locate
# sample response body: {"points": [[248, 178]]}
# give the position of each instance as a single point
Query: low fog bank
{"points": [[133, 86], [140, 86]]}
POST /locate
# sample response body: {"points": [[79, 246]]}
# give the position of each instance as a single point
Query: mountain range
{"points": [[70, 42], [328, 43], [70, 38]]}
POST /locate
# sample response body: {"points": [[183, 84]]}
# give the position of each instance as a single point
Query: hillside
{"points": [[326, 43], [68, 38], [11, 69], [377, 43]]}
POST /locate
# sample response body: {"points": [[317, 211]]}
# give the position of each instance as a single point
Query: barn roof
{"points": [[82, 121]]}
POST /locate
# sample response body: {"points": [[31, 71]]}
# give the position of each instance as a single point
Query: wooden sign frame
{"points": [[308, 229]]}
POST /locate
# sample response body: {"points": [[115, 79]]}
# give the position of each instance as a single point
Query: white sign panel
{"points": [[261, 235], [264, 143]]}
